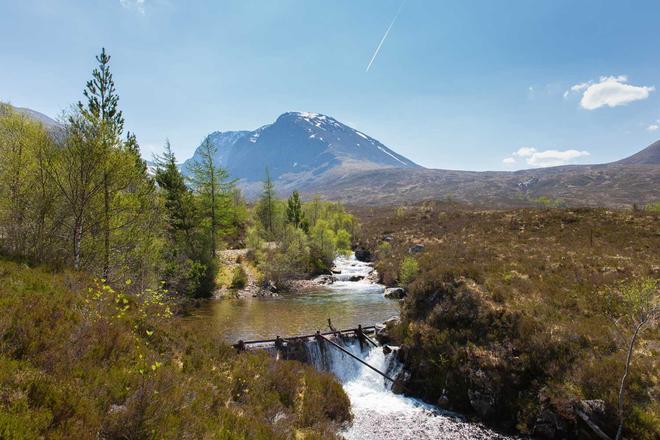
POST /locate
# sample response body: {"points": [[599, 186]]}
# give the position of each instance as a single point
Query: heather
{"points": [[81, 359], [515, 315]]}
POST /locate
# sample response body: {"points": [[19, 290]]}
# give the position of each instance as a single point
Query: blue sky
{"points": [[462, 84]]}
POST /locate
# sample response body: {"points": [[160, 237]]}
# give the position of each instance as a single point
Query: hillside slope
{"points": [[614, 185]]}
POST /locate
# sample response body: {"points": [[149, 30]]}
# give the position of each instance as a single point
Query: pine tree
{"points": [[188, 267], [266, 206], [210, 184], [294, 212], [178, 198], [107, 121]]}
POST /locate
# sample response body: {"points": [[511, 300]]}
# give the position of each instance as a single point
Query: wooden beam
{"points": [[371, 329], [356, 358]]}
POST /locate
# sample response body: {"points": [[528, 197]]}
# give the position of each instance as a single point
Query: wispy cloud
{"points": [[135, 5], [610, 91], [655, 126], [387, 32], [545, 158]]}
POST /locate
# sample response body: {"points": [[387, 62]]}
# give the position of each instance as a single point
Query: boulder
{"points": [[324, 279], [597, 417], [362, 254], [482, 393], [416, 249], [393, 321], [395, 293], [483, 403], [399, 385], [548, 425], [384, 334]]}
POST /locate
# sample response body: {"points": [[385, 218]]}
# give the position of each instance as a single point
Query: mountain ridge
{"points": [[300, 149], [301, 153]]}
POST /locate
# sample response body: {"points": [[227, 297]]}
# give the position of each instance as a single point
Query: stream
{"points": [[349, 301]]}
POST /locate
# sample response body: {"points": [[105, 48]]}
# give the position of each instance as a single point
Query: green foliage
{"points": [[189, 268], [267, 207], [632, 301], [384, 248], [214, 194], [87, 361], [289, 260], [239, 278], [28, 199], [408, 271], [547, 202], [324, 230], [653, 207], [343, 242], [294, 212]]}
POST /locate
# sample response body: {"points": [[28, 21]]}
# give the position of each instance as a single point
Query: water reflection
{"points": [[294, 314]]}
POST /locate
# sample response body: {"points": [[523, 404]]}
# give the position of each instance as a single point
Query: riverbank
{"points": [[344, 269], [87, 361]]}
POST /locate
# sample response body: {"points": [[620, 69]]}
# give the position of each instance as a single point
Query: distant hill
{"points": [[630, 181], [317, 154], [613, 185], [300, 150], [48, 122], [648, 156]]}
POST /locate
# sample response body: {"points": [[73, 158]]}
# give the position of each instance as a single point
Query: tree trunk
{"points": [[106, 227], [622, 387], [213, 219], [77, 238]]}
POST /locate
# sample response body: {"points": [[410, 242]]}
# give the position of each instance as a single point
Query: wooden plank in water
{"points": [[369, 329]]}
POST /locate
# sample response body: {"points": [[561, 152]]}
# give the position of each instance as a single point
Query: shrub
{"points": [[239, 278], [408, 271], [87, 360]]}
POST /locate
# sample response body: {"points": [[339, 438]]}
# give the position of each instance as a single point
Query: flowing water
{"points": [[378, 413], [349, 301]]}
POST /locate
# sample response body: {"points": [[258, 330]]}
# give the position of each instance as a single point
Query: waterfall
{"points": [[378, 413]]}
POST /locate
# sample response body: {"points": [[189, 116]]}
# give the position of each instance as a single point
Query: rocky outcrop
{"points": [[363, 254], [395, 293], [384, 334]]}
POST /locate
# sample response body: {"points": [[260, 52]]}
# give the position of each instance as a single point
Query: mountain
{"points": [[648, 156], [48, 122], [317, 154], [300, 150]]}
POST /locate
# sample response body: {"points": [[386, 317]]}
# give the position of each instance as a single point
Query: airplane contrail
{"points": [[387, 32]]}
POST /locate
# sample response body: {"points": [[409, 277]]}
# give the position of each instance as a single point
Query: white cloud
{"points": [[654, 126], [509, 160], [546, 158], [611, 91], [136, 5]]}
